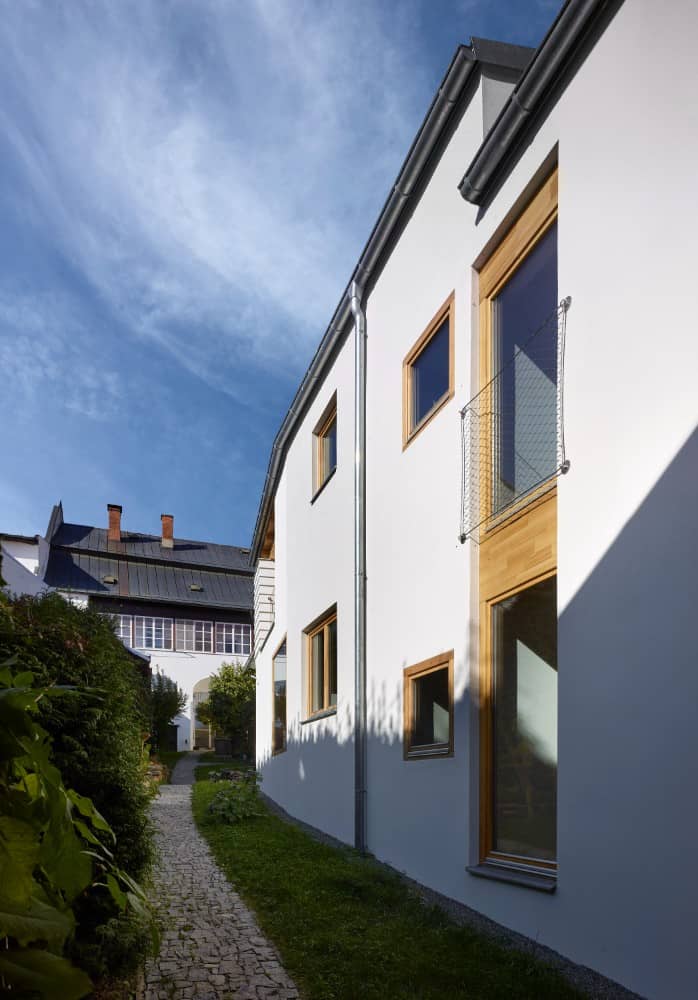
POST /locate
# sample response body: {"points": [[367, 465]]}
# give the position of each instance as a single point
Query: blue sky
{"points": [[184, 190]]}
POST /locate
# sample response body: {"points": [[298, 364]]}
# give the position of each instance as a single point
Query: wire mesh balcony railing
{"points": [[512, 431]]}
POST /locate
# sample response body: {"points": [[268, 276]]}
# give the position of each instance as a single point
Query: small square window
{"points": [[427, 373], [325, 446], [322, 664], [428, 708]]}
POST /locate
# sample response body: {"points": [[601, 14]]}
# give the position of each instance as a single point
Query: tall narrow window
{"points": [[524, 346], [427, 373], [325, 446], [518, 550], [428, 708], [278, 735], [524, 724], [322, 664]]}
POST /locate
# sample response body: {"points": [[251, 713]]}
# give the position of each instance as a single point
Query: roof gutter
{"points": [[447, 97], [565, 37]]}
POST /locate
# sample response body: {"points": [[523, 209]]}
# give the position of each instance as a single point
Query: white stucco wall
{"points": [[17, 570], [187, 669], [626, 902]]}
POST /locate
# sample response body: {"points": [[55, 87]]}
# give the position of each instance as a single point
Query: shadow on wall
{"points": [[628, 740]]}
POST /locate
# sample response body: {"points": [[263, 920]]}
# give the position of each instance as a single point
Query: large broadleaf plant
{"points": [[53, 849]]}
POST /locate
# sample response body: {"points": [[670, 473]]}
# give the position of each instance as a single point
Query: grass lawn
{"points": [[201, 771], [346, 928]]}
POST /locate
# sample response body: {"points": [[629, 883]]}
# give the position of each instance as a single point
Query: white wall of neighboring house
{"points": [[187, 669], [626, 133], [17, 570]]}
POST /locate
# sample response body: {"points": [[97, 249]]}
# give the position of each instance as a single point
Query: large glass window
{"points": [[153, 633], [524, 729], [278, 737], [322, 664], [428, 373], [524, 345], [428, 708], [123, 626]]}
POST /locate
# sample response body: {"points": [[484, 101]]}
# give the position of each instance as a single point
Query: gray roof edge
{"points": [[129, 557], [452, 87], [538, 82]]}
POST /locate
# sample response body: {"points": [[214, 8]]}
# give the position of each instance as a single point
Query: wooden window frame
{"points": [[322, 476], [319, 625], [410, 675], [531, 226], [518, 548], [275, 753], [447, 311]]}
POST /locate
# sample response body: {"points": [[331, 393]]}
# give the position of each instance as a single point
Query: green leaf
{"points": [[25, 679], [52, 977], [88, 809], [38, 922], [19, 855], [115, 892]]}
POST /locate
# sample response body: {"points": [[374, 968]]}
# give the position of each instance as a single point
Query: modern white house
{"points": [[477, 531], [186, 605]]}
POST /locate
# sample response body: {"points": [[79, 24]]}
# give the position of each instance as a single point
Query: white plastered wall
{"points": [[626, 130]]}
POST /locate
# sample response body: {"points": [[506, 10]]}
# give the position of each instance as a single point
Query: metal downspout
{"points": [[355, 296]]}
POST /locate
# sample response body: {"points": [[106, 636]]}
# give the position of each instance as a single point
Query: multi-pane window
{"points": [[123, 625], [428, 708], [153, 633], [322, 664], [325, 446], [193, 636], [278, 734], [233, 638], [427, 373]]}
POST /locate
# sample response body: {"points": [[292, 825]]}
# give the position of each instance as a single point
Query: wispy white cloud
{"points": [[210, 169]]}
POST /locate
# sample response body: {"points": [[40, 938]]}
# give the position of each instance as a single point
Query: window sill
{"points": [[319, 490], [427, 418], [514, 876], [427, 754], [325, 714]]}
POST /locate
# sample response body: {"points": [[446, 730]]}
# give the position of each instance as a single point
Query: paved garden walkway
{"points": [[211, 947]]}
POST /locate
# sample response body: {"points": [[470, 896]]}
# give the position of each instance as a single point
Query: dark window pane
{"points": [[328, 444], [525, 432], [317, 666], [431, 715], [332, 661], [525, 723], [430, 375], [279, 731]]}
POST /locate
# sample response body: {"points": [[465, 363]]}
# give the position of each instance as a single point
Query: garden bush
{"points": [[96, 739], [239, 801]]}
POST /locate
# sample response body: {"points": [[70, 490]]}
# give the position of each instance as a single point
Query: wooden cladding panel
{"points": [[521, 550]]}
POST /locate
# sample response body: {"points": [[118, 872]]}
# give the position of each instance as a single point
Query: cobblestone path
{"points": [[211, 947]]}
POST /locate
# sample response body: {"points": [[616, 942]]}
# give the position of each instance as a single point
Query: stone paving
{"points": [[211, 947]]}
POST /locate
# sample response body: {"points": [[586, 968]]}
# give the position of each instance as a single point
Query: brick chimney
{"points": [[167, 541], [114, 515]]}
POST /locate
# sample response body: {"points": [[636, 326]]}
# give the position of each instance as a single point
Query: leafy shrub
{"points": [[53, 851], [230, 708], [239, 802], [166, 701], [96, 743]]}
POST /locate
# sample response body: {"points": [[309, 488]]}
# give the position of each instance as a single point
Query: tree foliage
{"points": [[166, 701], [53, 850], [230, 708]]}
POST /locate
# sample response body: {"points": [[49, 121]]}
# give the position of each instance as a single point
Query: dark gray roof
{"points": [[147, 580], [134, 545]]}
